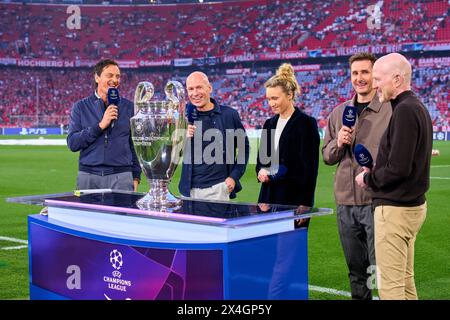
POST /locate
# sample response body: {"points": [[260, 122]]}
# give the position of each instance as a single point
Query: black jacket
{"points": [[227, 119], [298, 151]]}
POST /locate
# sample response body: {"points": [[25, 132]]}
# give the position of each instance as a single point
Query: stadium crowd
{"points": [[29, 31], [214, 29], [50, 93]]}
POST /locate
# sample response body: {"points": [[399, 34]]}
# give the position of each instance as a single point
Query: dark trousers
{"points": [[356, 231], [120, 181]]}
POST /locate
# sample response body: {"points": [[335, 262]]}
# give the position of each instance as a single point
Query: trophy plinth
{"points": [[158, 131], [158, 197]]}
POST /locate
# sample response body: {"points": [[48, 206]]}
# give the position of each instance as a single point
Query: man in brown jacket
{"points": [[354, 204]]}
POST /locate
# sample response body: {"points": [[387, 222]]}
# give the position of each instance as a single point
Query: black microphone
{"points": [[363, 156], [191, 113], [113, 99], [349, 116]]}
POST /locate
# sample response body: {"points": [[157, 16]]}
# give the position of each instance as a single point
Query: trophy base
{"points": [[159, 197]]}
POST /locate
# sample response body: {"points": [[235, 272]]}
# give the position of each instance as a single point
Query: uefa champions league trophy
{"points": [[158, 130]]}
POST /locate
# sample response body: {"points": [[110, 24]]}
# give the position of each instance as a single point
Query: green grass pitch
{"points": [[31, 170]]}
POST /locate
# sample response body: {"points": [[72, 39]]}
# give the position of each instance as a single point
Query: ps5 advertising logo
{"points": [[116, 282]]}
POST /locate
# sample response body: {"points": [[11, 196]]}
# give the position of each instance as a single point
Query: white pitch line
{"points": [[334, 291], [310, 287], [33, 142], [440, 178], [14, 248], [330, 291], [441, 166], [14, 240]]}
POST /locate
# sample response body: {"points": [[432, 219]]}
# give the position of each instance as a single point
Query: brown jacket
{"points": [[369, 128]]}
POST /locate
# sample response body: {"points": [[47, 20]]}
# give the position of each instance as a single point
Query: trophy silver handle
{"points": [[175, 92], [143, 94]]}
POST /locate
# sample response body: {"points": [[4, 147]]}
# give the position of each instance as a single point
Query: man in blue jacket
{"points": [[217, 147], [102, 134]]}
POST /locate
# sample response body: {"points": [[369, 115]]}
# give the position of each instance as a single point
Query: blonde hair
{"points": [[285, 78]]}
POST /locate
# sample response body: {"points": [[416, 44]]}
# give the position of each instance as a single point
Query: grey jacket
{"points": [[369, 128]]}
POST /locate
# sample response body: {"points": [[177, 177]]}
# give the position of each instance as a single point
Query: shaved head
{"points": [[199, 91], [392, 75], [396, 64], [197, 76]]}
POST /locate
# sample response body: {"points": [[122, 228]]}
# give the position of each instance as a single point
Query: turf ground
{"points": [[31, 170]]}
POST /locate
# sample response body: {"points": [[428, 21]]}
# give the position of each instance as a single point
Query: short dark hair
{"points": [[102, 64], [362, 56]]}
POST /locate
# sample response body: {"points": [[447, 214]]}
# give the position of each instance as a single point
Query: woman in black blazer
{"points": [[288, 157]]}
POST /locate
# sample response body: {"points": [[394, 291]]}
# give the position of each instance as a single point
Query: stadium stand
{"points": [[50, 93], [29, 32], [213, 29]]}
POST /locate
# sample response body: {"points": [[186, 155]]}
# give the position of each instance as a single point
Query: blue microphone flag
{"points": [[349, 116], [113, 96], [363, 156], [191, 113]]}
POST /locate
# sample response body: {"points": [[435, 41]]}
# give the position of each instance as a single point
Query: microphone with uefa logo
{"points": [[363, 156], [349, 116], [113, 99], [191, 113]]}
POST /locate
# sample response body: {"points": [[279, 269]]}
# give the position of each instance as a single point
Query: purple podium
{"points": [[101, 246]]}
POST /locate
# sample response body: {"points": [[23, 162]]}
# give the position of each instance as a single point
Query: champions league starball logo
{"points": [[116, 282], [363, 159], [115, 257], [363, 156], [350, 116]]}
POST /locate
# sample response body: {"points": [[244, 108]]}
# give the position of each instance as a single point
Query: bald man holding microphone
{"points": [[400, 178], [217, 146]]}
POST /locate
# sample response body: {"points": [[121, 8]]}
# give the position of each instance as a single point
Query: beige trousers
{"points": [[217, 192], [396, 229]]}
